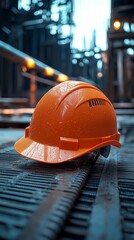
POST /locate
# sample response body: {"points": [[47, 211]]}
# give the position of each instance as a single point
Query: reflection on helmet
{"points": [[71, 119]]}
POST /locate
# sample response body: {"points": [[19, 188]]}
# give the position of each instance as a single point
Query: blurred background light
{"points": [[117, 24], [62, 78], [29, 63]]}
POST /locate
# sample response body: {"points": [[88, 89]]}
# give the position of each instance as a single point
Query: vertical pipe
{"points": [[33, 89], [120, 77]]}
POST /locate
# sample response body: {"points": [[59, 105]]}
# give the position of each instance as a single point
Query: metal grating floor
{"points": [[78, 200]]}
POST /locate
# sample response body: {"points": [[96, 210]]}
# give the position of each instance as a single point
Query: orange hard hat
{"points": [[71, 119]]}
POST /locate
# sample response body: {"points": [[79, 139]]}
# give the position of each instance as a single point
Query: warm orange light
{"points": [[49, 71], [30, 63], [24, 69], [100, 75], [17, 111], [117, 24], [62, 78]]}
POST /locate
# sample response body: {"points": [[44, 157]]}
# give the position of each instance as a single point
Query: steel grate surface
{"points": [[126, 190], [65, 202], [37, 197]]}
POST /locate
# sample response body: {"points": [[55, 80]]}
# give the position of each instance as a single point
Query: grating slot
{"points": [[17, 222], [18, 205], [13, 212]]}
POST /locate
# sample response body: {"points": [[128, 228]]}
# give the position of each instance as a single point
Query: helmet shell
{"points": [[71, 119]]}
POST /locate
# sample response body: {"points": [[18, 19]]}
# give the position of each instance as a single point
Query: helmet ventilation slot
{"points": [[96, 102]]}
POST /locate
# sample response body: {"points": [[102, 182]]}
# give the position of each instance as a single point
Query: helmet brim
{"points": [[52, 154]]}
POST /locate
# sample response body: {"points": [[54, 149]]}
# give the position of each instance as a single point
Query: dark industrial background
{"points": [[35, 33]]}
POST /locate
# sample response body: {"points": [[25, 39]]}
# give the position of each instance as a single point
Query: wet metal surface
{"points": [[35, 199], [79, 200], [106, 210]]}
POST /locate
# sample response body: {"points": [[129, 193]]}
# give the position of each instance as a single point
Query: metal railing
{"points": [[29, 63], [18, 56]]}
